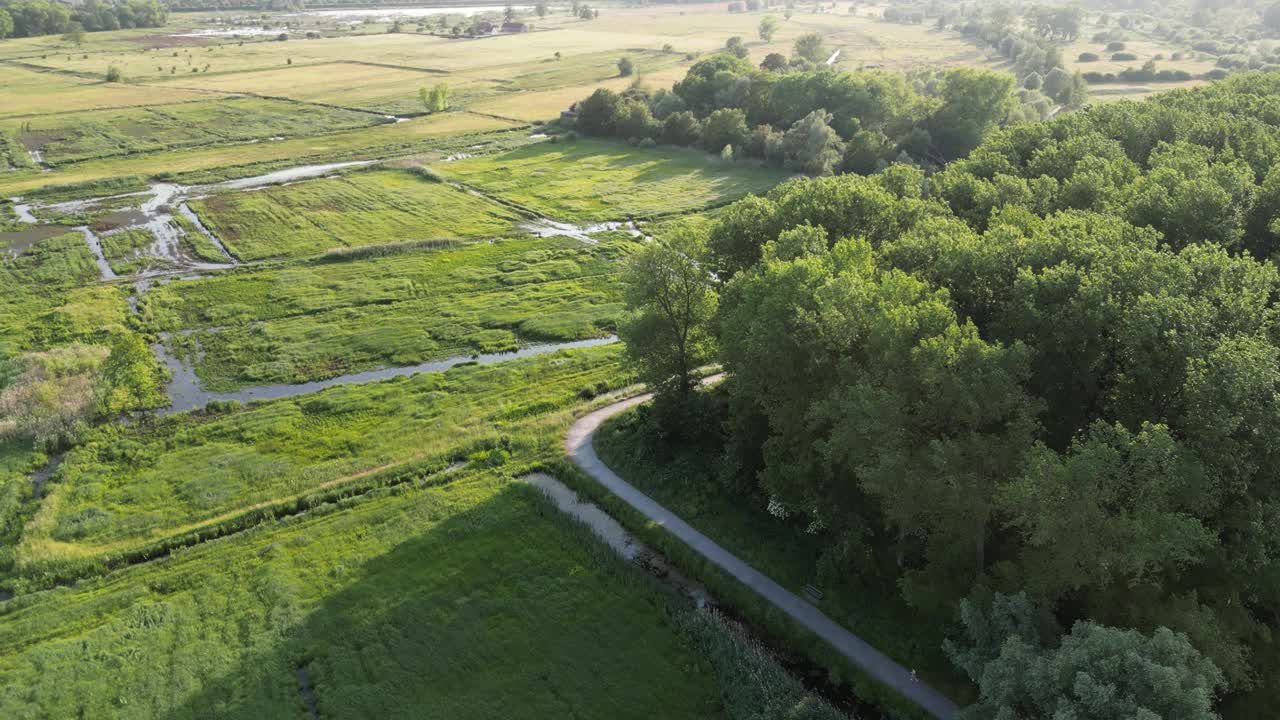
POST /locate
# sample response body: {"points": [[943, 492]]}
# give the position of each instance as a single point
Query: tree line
{"points": [[803, 115], [28, 18], [1038, 391]]}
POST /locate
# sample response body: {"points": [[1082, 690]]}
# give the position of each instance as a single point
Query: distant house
{"points": [[513, 27]]}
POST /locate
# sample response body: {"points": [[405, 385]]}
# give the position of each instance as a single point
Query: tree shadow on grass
{"points": [[497, 612]]}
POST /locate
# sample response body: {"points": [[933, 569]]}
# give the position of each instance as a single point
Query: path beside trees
{"points": [[580, 448]]}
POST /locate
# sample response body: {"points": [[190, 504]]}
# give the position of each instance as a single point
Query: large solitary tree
{"points": [[768, 26], [670, 299], [811, 47]]}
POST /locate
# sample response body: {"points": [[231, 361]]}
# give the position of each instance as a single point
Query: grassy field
{"points": [[358, 209], [417, 52], [470, 599], [394, 90], [48, 315], [591, 180], [125, 251], [543, 105], [31, 93], [73, 137], [420, 135], [322, 319], [58, 261], [129, 486], [349, 84]]}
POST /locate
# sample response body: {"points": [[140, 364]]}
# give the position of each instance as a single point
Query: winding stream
{"points": [[186, 394]]}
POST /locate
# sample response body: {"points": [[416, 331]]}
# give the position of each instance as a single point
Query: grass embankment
{"points": [[592, 180], [128, 488], [357, 209], [327, 317], [17, 461]]}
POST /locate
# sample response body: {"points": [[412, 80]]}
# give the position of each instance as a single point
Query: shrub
{"points": [[1122, 56], [1088, 57], [681, 128], [114, 74], [221, 407], [626, 66], [1115, 46], [493, 457]]}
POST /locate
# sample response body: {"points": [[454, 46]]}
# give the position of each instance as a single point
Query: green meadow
{"points": [[397, 306], [470, 598], [127, 487], [357, 209], [445, 132], [74, 137], [591, 180]]}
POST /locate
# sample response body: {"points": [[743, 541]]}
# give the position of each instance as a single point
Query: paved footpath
{"points": [[578, 443]]}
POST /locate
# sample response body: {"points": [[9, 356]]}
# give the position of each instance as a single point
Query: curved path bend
{"points": [[579, 445]]}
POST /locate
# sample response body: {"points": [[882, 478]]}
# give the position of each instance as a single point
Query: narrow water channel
{"points": [[186, 393], [95, 246], [546, 227], [615, 536]]}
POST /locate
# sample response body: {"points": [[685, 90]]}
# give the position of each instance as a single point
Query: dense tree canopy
{"points": [[1052, 367], [836, 122], [25, 18], [1093, 673]]}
